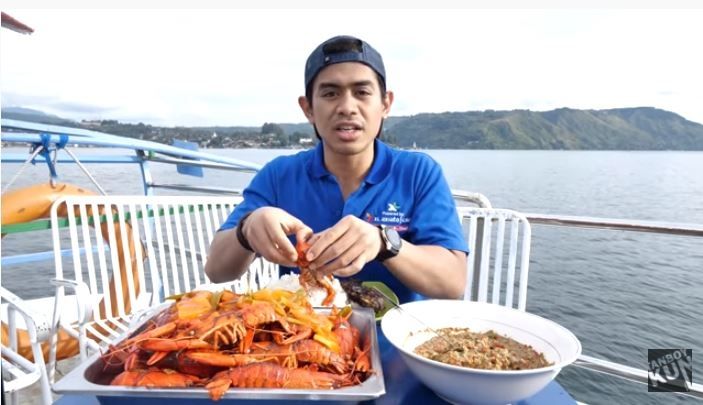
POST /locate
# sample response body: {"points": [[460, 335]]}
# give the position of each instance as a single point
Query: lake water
{"points": [[621, 293]]}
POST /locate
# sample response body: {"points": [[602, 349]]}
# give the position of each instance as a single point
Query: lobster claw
{"points": [[302, 333]]}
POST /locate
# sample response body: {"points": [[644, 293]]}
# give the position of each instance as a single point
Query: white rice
{"points": [[315, 295]]}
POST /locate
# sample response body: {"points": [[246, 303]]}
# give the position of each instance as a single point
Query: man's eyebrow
{"points": [[363, 83]]}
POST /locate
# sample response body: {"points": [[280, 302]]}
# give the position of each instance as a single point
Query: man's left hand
{"points": [[344, 248]]}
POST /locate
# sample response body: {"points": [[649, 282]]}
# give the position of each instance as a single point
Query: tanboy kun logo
{"points": [[670, 370]]}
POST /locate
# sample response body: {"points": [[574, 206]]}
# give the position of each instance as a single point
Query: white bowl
{"points": [[464, 385]]}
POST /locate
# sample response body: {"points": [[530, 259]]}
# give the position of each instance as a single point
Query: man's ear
{"points": [[306, 107], [387, 102]]}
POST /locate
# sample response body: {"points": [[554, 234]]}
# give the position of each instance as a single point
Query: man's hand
{"points": [[267, 229], [345, 248]]}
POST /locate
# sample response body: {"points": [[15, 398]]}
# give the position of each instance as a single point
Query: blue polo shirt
{"points": [[403, 189]]}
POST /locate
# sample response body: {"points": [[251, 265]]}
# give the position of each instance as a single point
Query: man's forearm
{"points": [[432, 271], [227, 259]]}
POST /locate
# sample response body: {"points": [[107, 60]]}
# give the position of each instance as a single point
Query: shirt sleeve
{"points": [[261, 192], [435, 219]]}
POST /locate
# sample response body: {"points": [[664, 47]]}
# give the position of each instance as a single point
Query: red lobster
{"points": [[271, 375], [309, 279]]}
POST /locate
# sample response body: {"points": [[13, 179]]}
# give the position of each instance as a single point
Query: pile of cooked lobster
{"points": [[266, 339]]}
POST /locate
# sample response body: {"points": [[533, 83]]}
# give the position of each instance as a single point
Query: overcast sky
{"points": [[245, 67]]}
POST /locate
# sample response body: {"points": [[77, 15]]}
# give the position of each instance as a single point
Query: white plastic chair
{"points": [[17, 372], [161, 241], [499, 258]]}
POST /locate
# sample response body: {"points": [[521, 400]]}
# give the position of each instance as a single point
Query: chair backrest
{"points": [[135, 251], [18, 372], [499, 243]]}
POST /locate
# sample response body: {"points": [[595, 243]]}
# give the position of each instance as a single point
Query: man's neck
{"points": [[350, 170]]}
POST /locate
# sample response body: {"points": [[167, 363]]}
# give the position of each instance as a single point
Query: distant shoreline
{"points": [[626, 129]]}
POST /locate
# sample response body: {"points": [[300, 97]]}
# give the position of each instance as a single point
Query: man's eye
{"points": [[363, 92], [328, 94]]}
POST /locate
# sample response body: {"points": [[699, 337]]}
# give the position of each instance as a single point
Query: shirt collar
{"points": [[381, 163], [383, 158], [316, 165]]}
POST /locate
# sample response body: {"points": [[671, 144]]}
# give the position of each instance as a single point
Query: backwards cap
{"points": [[329, 53]]}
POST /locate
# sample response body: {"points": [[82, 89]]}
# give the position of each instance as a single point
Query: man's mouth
{"points": [[348, 132], [348, 128]]}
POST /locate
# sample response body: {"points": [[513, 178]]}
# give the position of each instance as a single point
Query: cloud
{"points": [[245, 67]]}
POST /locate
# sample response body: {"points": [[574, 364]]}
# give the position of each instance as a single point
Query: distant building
{"points": [[305, 141], [91, 123]]}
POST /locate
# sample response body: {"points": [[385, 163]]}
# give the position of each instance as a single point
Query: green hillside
{"points": [[642, 128]]}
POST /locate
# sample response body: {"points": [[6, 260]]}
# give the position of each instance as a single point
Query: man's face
{"points": [[347, 107]]}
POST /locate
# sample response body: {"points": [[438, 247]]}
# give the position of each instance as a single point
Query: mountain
{"points": [[640, 128], [28, 114]]}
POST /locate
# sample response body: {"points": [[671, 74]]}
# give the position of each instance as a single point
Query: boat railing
{"points": [[688, 230], [568, 221], [464, 197], [617, 224], [52, 139]]}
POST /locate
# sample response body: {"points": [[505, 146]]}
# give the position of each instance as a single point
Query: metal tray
{"points": [[88, 379]]}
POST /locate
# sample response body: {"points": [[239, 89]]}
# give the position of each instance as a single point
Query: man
{"points": [[352, 197]]}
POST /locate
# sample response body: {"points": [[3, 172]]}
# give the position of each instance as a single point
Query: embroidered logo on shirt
{"points": [[393, 207], [392, 216]]}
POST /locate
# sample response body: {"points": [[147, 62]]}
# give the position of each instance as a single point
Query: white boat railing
{"points": [[629, 373], [689, 230], [617, 224]]}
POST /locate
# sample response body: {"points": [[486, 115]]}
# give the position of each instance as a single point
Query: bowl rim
{"points": [[569, 360]]}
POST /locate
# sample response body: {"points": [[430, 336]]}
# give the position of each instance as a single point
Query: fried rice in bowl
{"points": [[546, 348]]}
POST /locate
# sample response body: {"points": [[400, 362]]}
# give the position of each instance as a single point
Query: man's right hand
{"points": [[267, 230]]}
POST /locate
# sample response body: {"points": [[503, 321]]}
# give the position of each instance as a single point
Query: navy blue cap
{"points": [[329, 53]]}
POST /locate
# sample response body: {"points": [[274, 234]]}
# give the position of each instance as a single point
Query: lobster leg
{"points": [[221, 329], [362, 363], [219, 384], [245, 344], [215, 358], [282, 354], [327, 284], [156, 357], [303, 333], [172, 345]]}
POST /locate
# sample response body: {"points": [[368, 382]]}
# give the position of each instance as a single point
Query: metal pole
{"points": [[478, 248]]}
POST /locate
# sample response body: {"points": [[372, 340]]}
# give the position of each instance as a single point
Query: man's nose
{"points": [[347, 104]]}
